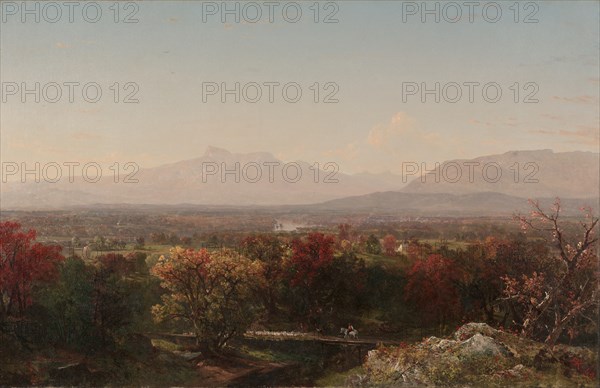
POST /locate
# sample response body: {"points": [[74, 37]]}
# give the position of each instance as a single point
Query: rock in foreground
{"points": [[478, 355]]}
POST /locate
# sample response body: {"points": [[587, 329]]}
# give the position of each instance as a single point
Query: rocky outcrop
{"points": [[480, 345], [470, 329], [477, 355]]}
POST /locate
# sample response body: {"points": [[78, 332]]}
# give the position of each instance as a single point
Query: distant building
{"points": [[87, 252]]}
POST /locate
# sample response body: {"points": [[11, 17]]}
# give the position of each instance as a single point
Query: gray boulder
{"points": [[468, 330], [480, 345]]}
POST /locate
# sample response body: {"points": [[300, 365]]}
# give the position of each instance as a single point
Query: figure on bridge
{"points": [[349, 331]]}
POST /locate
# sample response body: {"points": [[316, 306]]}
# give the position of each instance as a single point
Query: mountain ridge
{"points": [[564, 174]]}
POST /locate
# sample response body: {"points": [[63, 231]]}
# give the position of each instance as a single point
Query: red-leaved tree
{"points": [[23, 262], [432, 288], [321, 284], [552, 300], [389, 245]]}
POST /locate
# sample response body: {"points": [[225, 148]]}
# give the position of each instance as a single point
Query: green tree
{"points": [[90, 307], [269, 251], [99, 243], [140, 241], [69, 305], [373, 246]]}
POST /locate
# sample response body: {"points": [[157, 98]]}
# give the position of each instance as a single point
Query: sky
{"points": [[367, 65]]}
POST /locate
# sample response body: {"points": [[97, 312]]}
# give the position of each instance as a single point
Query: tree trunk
{"points": [[560, 326]]}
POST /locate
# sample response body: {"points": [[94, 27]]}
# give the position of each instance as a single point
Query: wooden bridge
{"points": [[359, 346], [326, 339]]}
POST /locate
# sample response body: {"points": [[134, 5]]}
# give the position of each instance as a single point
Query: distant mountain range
{"points": [[528, 174], [486, 185], [210, 179], [446, 205]]}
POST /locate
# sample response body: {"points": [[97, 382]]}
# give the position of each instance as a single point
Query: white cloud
{"points": [[400, 124], [347, 152]]}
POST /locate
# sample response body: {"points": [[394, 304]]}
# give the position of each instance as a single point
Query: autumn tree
{"points": [[138, 262], [389, 245], [23, 263], [481, 284], [417, 250], [485, 263], [345, 240], [432, 289], [306, 269], [211, 291], [269, 250], [549, 302], [115, 262], [320, 282]]}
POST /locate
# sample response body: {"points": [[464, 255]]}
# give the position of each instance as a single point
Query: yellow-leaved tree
{"points": [[214, 291]]}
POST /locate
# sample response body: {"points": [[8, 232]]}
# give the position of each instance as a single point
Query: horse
{"points": [[352, 333]]}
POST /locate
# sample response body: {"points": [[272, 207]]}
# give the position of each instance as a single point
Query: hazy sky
{"points": [[369, 54]]}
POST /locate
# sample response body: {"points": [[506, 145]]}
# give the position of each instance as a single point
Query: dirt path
{"points": [[237, 371]]}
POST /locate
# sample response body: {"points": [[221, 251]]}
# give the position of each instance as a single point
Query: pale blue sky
{"points": [[170, 52]]}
